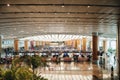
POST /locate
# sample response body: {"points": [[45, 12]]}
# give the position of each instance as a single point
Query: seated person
{"points": [[44, 55], [65, 55], [82, 55], [57, 54], [53, 54]]}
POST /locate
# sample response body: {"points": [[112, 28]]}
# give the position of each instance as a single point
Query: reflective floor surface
{"points": [[78, 71]]}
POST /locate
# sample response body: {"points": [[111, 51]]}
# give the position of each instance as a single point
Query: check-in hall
{"points": [[59, 39]]}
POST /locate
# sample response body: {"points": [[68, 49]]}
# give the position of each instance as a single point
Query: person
{"points": [[65, 55], [100, 53]]}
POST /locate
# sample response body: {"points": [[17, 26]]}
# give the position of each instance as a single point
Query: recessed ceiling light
{"points": [[88, 6], [8, 5], [62, 6], [68, 13], [55, 13]]}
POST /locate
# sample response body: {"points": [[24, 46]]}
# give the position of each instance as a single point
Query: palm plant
{"points": [[18, 71], [31, 62], [21, 73]]}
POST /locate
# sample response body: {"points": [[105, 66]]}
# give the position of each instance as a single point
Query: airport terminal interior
{"points": [[59, 39]]}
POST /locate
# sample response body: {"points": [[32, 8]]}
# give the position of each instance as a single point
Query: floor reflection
{"points": [[76, 71]]}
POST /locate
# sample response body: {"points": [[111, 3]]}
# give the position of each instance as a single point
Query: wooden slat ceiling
{"points": [[35, 17]]}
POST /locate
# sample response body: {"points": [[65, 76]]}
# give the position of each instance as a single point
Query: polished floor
{"points": [[78, 71]]}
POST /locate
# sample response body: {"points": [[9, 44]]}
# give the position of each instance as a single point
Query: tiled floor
{"points": [[75, 71]]}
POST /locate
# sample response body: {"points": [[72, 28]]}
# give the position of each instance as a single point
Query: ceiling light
{"points": [[55, 13], [53, 37], [62, 6], [8, 5], [68, 13], [88, 6]]}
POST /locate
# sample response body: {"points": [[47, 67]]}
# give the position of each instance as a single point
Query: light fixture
{"points": [[55, 13], [88, 6], [53, 37], [8, 5], [62, 6], [68, 13]]}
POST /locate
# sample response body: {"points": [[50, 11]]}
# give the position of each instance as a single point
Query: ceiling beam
{"points": [[57, 17], [94, 5], [60, 13]]}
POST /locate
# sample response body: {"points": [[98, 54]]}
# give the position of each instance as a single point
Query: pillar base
{"points": [[95, 61]]}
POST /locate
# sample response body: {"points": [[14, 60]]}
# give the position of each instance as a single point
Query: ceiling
{"points": [[24, 18]]}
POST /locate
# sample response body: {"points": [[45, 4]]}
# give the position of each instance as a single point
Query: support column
{"points": [[91, 45], [32, 45], [118, 46], [74, 43], [105, 45], [26, 45], [78, 44], [37, 43], [84, 44], [16, 45], [0, 45], [43, 43], [95, 47], [69, 43]]}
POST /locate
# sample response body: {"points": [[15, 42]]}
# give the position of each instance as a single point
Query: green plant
{"points": [[23, 73], [110, 50], [39, 78], [1, 74], [8, 75], [31, 62]]}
